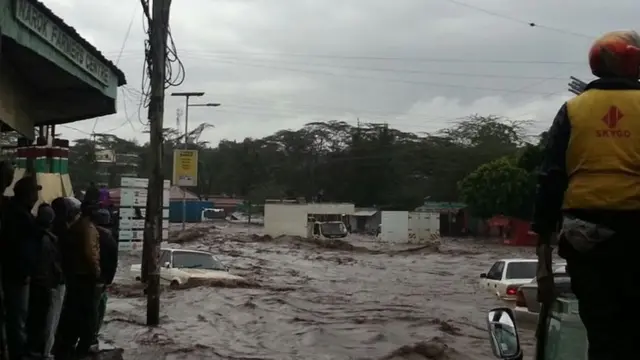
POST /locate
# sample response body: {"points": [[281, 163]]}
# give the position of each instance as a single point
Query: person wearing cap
{"points": [[81, 258], [46, 289], [108, 263], [19, 237]]}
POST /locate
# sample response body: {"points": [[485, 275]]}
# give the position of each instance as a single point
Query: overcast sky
{"points": [[415, 64]]}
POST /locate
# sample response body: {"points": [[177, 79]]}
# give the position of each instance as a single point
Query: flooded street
{"points": [[364, 301]]}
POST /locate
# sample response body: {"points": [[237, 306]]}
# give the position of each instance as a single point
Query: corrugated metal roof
{"points": [[365, 213], [441, 206], [122, 80]]}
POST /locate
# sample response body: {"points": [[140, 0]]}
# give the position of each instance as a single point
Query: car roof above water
{"points": [[518, 260], [186, 251]]}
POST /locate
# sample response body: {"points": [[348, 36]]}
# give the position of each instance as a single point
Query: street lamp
{"points": [[187, 96], [203, 105]]}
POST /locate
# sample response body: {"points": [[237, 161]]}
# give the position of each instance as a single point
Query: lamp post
{"points": [[187, 105]]}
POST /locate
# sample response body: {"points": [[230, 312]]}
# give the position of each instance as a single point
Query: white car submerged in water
{"points": [[179, 266], [506, 275]]}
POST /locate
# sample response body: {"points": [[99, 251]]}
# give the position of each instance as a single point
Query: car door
{"points": [[165, 272], [494, 276]]}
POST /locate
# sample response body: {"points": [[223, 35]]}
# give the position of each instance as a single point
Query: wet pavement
{"points": [[307, 300]]}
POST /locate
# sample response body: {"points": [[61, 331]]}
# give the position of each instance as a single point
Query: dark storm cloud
{"points": [[280, 63]]}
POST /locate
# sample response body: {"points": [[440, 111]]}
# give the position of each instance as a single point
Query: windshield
{"points": [[336, 228], [187, 260], [522, 270]]}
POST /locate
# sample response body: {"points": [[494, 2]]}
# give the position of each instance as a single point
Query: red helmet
{"points": [[616, 54]]}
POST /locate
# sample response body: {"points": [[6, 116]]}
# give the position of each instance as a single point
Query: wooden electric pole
{"points": [[159, 31]]}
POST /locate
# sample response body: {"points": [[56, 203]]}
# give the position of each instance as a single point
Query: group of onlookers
{"points": [[55, 268]]}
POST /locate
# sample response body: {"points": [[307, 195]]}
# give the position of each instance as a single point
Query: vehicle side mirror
{"points": [[483, 275], [503, 334], [166, 264]]}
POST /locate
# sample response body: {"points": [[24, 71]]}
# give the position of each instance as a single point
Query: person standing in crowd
{"points": [[92, 194], [18, 253], [6, 179], [46, 289], [81, 255], [105, 197], [108, 263]]}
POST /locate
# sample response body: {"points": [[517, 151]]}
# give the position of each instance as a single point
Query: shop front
{"points": [[49, 75]]}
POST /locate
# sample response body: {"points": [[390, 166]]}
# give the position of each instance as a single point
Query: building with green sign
{"points": [[49, 75]]}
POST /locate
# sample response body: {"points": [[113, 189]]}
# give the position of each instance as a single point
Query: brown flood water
{"points": [[355, 300]]}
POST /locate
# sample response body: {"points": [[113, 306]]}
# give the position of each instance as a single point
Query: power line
{"points": [[124, 43], [251, 105], [464, 60], [174, 68], [520, 21], [247, 105], [357, 76], [242, 61]]}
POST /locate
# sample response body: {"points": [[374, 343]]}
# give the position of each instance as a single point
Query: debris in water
{"points": [[133, 290], [107, 354], [222, 283], [434, 349], [188, 235], [446, 327], [261, 238]]}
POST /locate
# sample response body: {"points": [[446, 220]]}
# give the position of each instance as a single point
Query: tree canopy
{"points": [[369, 164]]}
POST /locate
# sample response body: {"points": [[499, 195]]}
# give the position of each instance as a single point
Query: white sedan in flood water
{"points": [[179, 266], [506, 275]]}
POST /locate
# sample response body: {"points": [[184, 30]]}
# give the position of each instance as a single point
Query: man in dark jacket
{"points": [[92, 194], [6, 179], [46, 289], [108, 262], [81, 265], [589, 184], [18, 253]]}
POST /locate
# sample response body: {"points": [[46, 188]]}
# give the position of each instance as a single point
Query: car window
{"points": [[165, 257], [522, 270], [189, 260], [495, 273], [333, 228]]}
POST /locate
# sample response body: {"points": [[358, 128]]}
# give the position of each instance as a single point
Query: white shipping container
{"points": [[423, 227], [394, 227], [404, 227], [285, 219]]}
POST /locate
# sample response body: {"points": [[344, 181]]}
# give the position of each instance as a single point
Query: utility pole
{"points": [[159, 31], [178, 117], [187, 96]]}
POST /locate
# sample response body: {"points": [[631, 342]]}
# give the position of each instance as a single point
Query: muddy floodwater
{"points": [[343, 300]]}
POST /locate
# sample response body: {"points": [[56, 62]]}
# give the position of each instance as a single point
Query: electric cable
{"points": [[465, 60], [124, 43], [520, 21]]}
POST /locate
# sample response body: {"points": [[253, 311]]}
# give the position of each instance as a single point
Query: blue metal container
{"points": [[193, 211]]}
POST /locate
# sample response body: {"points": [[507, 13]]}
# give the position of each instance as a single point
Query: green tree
{"points": [[499, 187], [368, 164]]}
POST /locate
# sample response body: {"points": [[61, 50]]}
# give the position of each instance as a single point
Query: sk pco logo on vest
{"points": [[611, 120]]}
